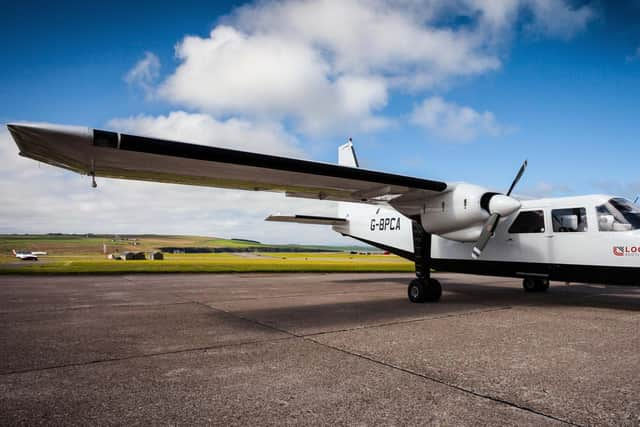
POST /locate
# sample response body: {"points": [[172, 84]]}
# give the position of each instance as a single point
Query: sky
{"points": [[455, 90]]}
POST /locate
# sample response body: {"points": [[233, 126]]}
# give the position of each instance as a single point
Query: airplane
{"points": [[25, 255], [445, 226]]}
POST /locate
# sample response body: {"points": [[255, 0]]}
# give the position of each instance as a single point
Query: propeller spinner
{"points": [[499, 206]]}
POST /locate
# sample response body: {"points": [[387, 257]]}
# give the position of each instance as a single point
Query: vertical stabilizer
{"points": [[376, 225], [347, 155]]}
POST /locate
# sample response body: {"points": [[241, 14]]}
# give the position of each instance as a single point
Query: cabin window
{"points": [[528, 222], [569, 220], [618, 215]]}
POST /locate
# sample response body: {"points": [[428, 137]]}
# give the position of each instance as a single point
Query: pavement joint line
{"points": [[288, 332], [309, 338], [272, 297], [143, 356], [442, 382], [402, 322], [90, 307]]}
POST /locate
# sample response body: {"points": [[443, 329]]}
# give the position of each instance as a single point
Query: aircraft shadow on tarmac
{"points": [[457, 298], [575, 294]]}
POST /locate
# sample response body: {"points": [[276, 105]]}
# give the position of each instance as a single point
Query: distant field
{"points": [[213, 263], [80, 254]]}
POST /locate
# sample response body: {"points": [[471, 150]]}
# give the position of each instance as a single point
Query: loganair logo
{"points": [[626, 250]]}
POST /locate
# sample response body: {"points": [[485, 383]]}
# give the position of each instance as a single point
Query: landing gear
{"points": [[421, 290], [535, 285]]}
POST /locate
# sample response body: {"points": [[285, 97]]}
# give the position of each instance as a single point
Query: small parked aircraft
{"points": [[25, 255], [456, 227]]}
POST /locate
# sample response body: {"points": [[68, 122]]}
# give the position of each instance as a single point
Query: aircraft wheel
{"points": [[434, 291], [543, 285], [535, 285], [529, 285], [419, 291], [416, 291]]}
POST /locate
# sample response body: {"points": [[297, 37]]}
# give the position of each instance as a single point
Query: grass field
{"points": [[83, 255]]}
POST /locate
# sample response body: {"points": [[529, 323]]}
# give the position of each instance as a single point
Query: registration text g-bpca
{"points": [[383, 224]]}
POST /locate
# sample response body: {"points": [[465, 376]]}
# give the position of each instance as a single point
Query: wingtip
{"points": [[33, 128]]}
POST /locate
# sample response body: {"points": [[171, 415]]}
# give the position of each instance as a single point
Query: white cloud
{"points": [[144, 73], [557, 18], [385, 38], [635, 56], [266, 137], [327, 64], [268, 76], [542, 189], [454, 122]]}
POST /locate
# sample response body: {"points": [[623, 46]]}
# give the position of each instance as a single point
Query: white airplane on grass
{"points": [[25, 255], [456, 227]]}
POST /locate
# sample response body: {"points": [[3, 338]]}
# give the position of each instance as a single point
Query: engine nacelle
{"points": [[460, 213], [471, 234], [454, 210]]}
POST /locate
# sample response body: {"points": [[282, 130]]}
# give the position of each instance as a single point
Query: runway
{"points": [[265, 349]]}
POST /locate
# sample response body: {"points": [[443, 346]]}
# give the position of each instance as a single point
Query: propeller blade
{"points": [[506, 205], [487, 231], [515, 181]]}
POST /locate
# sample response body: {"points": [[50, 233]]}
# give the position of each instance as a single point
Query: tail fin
{"points": [[347, 155]]}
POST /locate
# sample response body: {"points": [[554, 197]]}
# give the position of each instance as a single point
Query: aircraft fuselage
{"points": [[572, 239]]}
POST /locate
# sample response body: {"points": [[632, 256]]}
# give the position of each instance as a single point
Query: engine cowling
{"points": [[460, 213]]}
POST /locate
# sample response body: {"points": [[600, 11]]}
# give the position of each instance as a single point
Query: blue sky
{"points": [[554, 82]]}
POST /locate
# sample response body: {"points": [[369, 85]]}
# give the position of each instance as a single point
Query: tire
{"points": [[543, 285], [529, 285], [434, 291], [420, 292], [416, 291], [535, 285]]}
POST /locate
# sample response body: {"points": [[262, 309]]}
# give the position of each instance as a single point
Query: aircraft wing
{"points": [[115, 155]]}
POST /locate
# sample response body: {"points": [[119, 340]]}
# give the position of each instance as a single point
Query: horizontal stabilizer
{"points": [[308, 219]]}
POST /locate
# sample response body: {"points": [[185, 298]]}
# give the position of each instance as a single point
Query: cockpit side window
{"points": [[569, 220], [618, 215], [528, 222]]}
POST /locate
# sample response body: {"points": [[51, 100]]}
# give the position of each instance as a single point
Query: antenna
{"points": [[92, 173]]}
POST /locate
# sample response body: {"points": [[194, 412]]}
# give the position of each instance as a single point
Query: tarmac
{"points": [[311, 349]]}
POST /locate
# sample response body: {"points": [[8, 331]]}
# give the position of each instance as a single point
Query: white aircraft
{"points": [[456, 227], [25, 255]]}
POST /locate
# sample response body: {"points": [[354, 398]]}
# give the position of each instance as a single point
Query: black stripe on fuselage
{"points": [[321, 218], [224, 155], [560, 272]]}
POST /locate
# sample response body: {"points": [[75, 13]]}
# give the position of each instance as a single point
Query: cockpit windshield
{"points": [[618, 215]]}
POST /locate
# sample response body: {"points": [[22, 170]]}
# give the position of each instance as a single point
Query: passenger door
{"points": [[527, 238], [571, 229]]}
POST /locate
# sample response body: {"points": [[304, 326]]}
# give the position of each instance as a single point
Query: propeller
{"points": [[499, 205]]}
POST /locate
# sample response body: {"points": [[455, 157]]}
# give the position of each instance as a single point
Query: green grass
{"points": [[214, 263], [93, 245]]}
